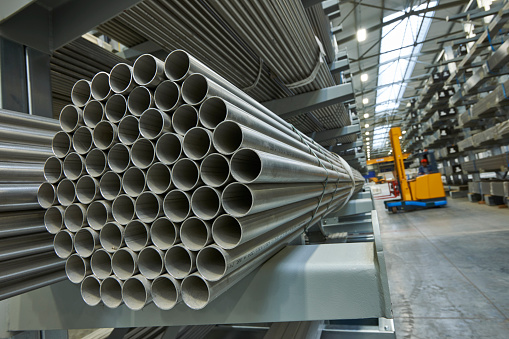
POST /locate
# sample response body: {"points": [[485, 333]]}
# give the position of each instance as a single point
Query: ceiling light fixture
{"points": [[362, 34], [366, 125], [364, 77], [366, 115], [365, 101]]}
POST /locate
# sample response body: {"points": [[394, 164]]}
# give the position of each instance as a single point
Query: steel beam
{"points": [[310, 101], [339, 66], [309, 3], [11, 7], [334, 133]]}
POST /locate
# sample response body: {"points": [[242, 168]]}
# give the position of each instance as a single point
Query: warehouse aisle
{"points": [[448, 270]]}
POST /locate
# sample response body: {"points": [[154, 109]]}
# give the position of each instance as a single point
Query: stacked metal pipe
{"points": [[172, 184], [27, 260]]}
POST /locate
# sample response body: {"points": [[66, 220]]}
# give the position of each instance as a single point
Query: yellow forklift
{"points": [[424, 191]]}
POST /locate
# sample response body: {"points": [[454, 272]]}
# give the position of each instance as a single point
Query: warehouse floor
{"points": [[448, 270]]}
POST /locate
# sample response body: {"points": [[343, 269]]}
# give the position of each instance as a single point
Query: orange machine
{"points": [[424, 191]]}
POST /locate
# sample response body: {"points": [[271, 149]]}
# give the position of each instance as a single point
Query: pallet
{"points": [[474, 197]]}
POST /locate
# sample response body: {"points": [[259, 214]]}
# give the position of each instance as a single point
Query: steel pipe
{"points": [[169, 148], [105, 135], [93, 113], [77, 268], [112, 236], [100, 86], [206, 202], [29, 266], [74, 166], [137, 235], [186, 174], [111, 292], [28, 121], [136, 292], [148, 70], [11, 172], [24, 153], [75, 217], [66, 192], [167, 96], [116, 108], [86, 241], [100, 263], [96, 163], [196, 233], [164, 233], [90, 290], [71, 117], [215, 170], [63, 244], [159, 178], [148, 206], [17, 197], [121, 79], [53, 170], [198, 143], [165, 292], [61, 144], [82, 140], [81, 93], [21, 223], [134, 181], [124, 263], [54, 219], [87, 189], [22, 135], [140, 99], [110, 185], [26, 285], [118, 158], [128, 130], [98, 214], [142, 153], [184, 118], [177, 205], [179, 261], [151, 262], [46, 195], [153, 123], [15, 247], [122, 209]]}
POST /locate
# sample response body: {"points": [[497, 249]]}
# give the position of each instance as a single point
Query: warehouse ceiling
{"points": [[404, 38]]}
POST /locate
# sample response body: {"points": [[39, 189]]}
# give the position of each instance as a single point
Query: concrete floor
{"points": [[448, 270]]}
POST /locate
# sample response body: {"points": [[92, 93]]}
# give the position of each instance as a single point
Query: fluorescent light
{"points": [[365, 101], [366, 115], [404, 132], [361, 34], [367, 139], [366, 125], [364, 77], [367, 133]]}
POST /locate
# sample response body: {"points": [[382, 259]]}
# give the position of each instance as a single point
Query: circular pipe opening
{"points": [[105, 135], [246, 166], [111, 292], [179, 262], [101, 86], [206, 202], [176, 65], [195, 292], [165, 292], [211, 263], [98, 214], [159, 178], [116, 108], [184, 118], [101, 264], [136, 235], [123, 263], [135, 293], [74, 165], [76, 268], [63, 244], [195, 89], [87, 189], [167, 96], [66, 192], [70, 118], [177, 205], [198, 143], [85, 241], [227, 231], [128, 130], [153, 123], [237, 199], [150, 262], [46, 195], [123, 209], [213, 111], [54, 219], [53, 170], [61, 144], [164, 233], [195, 233], [133, 181], [121, 79], [228, 137], [96, 163], [82, 140], [139, 100], [148, 207], [118, 158], [93, 113], [142, 153], [81, 93], [215, 170], [111, 237], [91, 290], [145, 69], [110, 185], [169, 148], [186, 174], [74, 217]]}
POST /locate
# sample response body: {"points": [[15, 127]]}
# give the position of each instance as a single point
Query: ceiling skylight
{"points": [[397, 63]]}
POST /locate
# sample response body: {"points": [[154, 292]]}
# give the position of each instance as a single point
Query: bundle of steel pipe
{"points": [[183, 187], [27, 259]]}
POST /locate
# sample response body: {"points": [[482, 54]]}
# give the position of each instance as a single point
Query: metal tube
{"points": [[166, 292], [21, 223], [153, 123], [195, 233], [24, 153], [29, 266], [96, 163], [54, 219], [86, 240], [121, 78], [122, 209], [136, 292], [82, 140], [66, 192], [105, 135], [179, 261], [71, 117], [87, 189], [100, 263], [137, 235], [11, 172], [81, 93], [134, 181], [61, 144], [150, 262], [24, 135], [100, 86], [90, 290], [93, 113], [184, 118], [111, 292], [74, 166], [142, 153], [186, 174], [110, 185], [206, 202], [177, 205], [198, 143], [118, 158], [77, 268], [139, 100], [159, 178], [98, 214], [169, 148], [167, 96], [75, 217], [124, 263], [116, 108], [148, 70], [63, 244], [215, 170], [26, 285], [46, 195], [18, 197], [53, 170], [28, 121], [164, 233], [128, 130], [15, 247], [112, 236]]}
